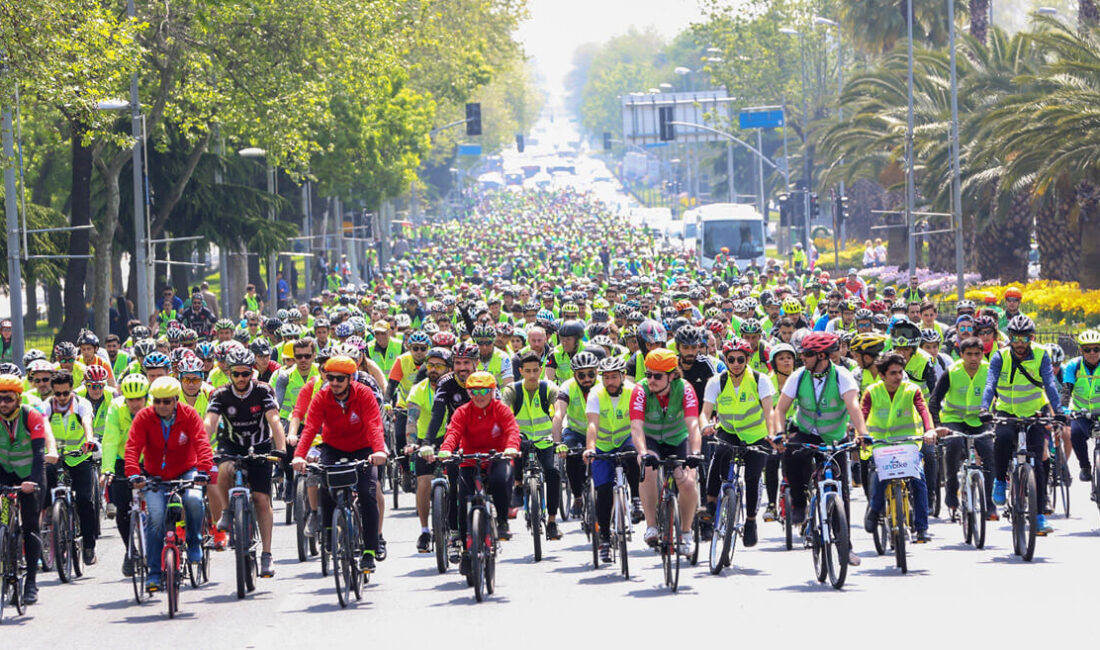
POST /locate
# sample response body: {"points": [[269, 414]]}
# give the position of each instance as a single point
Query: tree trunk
{"points": [[1015, 240], [104, 246], [941, 252], [979, 19], [1087, 13], [55, 308], [76, 311], [897, 238], [30, 317], [238, 271], [1059, 239], [116, 271]]}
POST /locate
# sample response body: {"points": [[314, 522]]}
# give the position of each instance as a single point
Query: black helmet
{"points": [[571, 327], [650, 331], [260, 348], [240, 357], [691, 335]]}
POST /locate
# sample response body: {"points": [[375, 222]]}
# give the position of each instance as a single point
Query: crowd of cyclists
{"points": [[542, 324]]}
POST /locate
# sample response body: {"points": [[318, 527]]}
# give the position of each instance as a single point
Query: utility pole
{"points": [[11, 214], [141, 264]]}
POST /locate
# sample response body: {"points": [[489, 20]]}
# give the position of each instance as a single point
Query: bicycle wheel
{"points": [[477, 556], [817, 541], [935, 485], [354, 544], [566, 493], [978, 512], [1063, 486], [1026, 511], [532, 496], [61, 540], [45, 532], [665, 542], [77, 545], [588, 521], [192, 573], [341, 556], [395, 482], [136, 552], [677, 533], [439, 527], [241, 542], [170, 574], [299, 508], [622, 524], [290, 497], [836, 550], [7, 570], [326, 555], [490, 561], [899, 525], [252, 565], [18, 567], [593, 536], [788, 524]]}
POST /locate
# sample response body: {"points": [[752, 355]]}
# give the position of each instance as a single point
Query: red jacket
{"points": [[356, 424], [186, 447], [479, 431]]}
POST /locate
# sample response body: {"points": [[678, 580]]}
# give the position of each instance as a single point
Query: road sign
{"points": [[642, 116], [760, 119], [469, 149]]}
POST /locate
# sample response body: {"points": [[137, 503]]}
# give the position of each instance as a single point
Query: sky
{"points": [[557, 27]]}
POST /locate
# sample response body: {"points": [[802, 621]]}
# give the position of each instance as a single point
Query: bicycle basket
{"points": [[344, 477], [897, 461]]}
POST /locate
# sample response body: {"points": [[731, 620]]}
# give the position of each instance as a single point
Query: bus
{"points": [[737, 227]]}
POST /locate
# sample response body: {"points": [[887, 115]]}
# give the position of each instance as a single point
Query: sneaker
{"points": [[651, 536], [748, 533], [798, 516], [424, 543], [998, 492], [366, 563], [221, 540], [381, 555], [1086, 475], [153, 583], [265, 566], [685, 545], [225, 522], [1042, 527], [993, 515], [89, 556], [605, 552], [313, 523], [552, 531], [111, 510], [464, 564], [577, 509], [870, 520], [30, 592], [636, 512], [454, 544], [502, 530], [770, 513], [923, 536], [517, 497], [853, 559], [127, 566]]}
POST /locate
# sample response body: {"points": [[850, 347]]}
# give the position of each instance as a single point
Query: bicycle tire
{"points": [[136, 551], [817, 542], [171, 580], [439, 527], [326, 556], [395, 483], [719, 544], [77, 542], [1030, 516], [490, 562], [593, 536], [97, 500], [477, 541], [251, 564], [1063, 487], [664, 530], [298, 506], [354, 543], [63, 549], [677, 533], [978, 513], [566, 492], [623, 522], [7, 570], [290, 495], [532, 496], [19, 567], [935, 486], [588, 524], [45, 532], [240, 546], [836, 551], [965, 513], [341, 567], [788, 524], [899, 525], [735, 510], [192, 574]]}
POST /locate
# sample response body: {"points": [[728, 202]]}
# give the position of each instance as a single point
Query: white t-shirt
{"points": [[81, 406], [592, 406], [764, 388], [845, 382]]}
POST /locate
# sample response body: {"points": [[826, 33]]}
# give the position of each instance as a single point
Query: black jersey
{"points": [[244, 415]]}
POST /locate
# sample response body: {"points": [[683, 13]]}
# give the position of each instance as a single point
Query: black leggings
{"points": [[1004, 446], [750, 475], [29, 514], [550, 474], [121, 495], [605, 496], [367, 488], [84, 487], [499, 488], [955, 455], [798, 465]]}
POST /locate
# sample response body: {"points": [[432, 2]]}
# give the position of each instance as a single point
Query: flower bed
{"points": [[1061, 302]]}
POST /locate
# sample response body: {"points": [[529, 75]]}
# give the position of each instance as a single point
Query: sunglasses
{"points": [[236, 373], [66, 359], [95, 384], [986, 332], [655, 375], [191, 380], [167, 401], [1090, 350], [253, 322], [966, 329], [809, 355], [437, 366], [727, 311], [480, 392], [1012, 300], [588, 374], [336, 379], [303, 357], [62, 393], [7, 399], [737, 360], [41, 380], [833, 312], [418, 348], [485, 341], [1019, 339]]}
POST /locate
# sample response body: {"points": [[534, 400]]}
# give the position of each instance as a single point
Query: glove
{"points": [[510, 452], [201, 478], [651, 460], [443, 455], [694, 461], [561, 449], [1061, 418], [985, 417], [427, 450]]}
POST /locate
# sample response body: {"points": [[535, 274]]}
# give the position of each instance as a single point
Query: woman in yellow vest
{"points": [[135, 392], [1081, 381], [740, 400]]}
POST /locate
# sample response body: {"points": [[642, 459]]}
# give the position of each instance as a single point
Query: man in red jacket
{"points": [[353, 430], [171, 437], [482, 425]]}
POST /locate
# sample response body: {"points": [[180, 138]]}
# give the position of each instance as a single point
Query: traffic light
{"points": [[665, 117], [815, 207], [473, 118], [607, 140], [519, 142], [843, 208], [785, 210]]}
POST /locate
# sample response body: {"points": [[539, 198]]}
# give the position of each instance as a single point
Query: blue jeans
{"points": [[918, 489], [155, 504]]}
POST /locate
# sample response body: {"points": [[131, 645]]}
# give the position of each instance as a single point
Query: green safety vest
{"points": [[893, 418], [564, 369], [639, 367], [576, 415], [915, 369], [293, 387], [16, 454], [117, 433], [827, 418], [422, 395], [739, 410], [963, 401], [217, 378], [1086, 390], [119, 366], [408, 373], [495, 366], [1016, 395], [386, 360], [69, 433], [252, 303], [99, 419], [533, 413], [614, 426], [666, 425]]}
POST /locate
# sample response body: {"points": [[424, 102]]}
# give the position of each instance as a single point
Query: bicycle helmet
{"points": [[612, 364], [224, 324], [600, 316], [505, 329], [780, 348], [905, 335], [174, 334], [965, 304], [868, 343], [260, 348], [661, 360], [865, 314], [357, 342], [343, 330], [467, 351], [418, 338], [282, 314], [179, 354], [571, 327], [190, 365], [64, 350], [155, 360], [32, 355], [205, 350], [635, 317], [88, 338], [10, 383], [737, 345], [95, 375], [241, 335], [652, 332], [443, 340], [293, 315], [481, 379], [691, 335], [429, 328], [9, 368], [984, 323], [165, 387], [140, 332], [1021, 324], [930, 335], [570, 309], [443, 354], [1014, 292], [40, 365], [584, 359], [751, 326], [134, 386], [1057, 354], [483, 332], [819, 342], [1088, 337], [240, 357], [272, 325], [144, 347], [876, 307], [792, 307]]}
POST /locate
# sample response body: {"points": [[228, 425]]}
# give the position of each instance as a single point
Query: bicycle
{"points": [[668, 517], [66, 537], [1056, 483], [481, 522], [622, 527], [936, 479], [440, 509], [244, 534], [534, 496], [305, 543], [566, 491], [784, 513], [972, 506], [1094, 429], [896, 462], [826, 530], [346, 537], [1023, 506], [173, 570], [729, 510], [13, 565]]}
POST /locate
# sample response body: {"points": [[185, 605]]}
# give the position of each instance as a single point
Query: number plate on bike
{"points": [[897, 461]]}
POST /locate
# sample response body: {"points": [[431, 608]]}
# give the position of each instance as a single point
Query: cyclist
{"points": [[570, 421], [289, 381], [352, 421], [252, 426], [650, 335], [418, 406], [694, 364], [135, 392], [24, 448], [740, 404], [99, 396], [752, 332], [385, 349], [1022, 380], [1081, 389], [491, 359], [665, 410], [482, 425], [559, 366], [167, 441]]}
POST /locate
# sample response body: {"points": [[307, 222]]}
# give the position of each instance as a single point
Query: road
{"points": [[968, 594]]}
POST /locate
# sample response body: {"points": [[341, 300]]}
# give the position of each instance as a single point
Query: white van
{"points": [[737, 227]]}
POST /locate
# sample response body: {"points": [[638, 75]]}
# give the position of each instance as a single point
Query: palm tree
{"points": [[875, 26], [979, 19]]}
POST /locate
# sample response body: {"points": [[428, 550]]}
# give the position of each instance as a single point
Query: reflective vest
{"points": [[666, 425], [918, 363], [494, 366], [99, 416], [387, 359], [218, 378], [252, 303], [1086, 389], [1016, 395], [893, 418], [119, 366], [827, 417], [117, 432], [16, 454], [408, 373], [422, 395], [294, 385], [202, 400], [533, 413], [614, 427], [757, 362], [564, 369], [164, 318], [963, 401], [779, 389], [739, 410], [576, 416], [639, 367], [68, 431]]}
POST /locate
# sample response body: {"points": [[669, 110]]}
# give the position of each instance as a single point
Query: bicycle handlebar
{"points": [[868, 440], [756, 450]]}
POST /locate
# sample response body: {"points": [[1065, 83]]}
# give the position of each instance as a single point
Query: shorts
{"points": [[259, 471], [664, 450], [422, 467]]}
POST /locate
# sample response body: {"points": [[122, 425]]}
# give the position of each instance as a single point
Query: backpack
{"points": [[517, 403]]}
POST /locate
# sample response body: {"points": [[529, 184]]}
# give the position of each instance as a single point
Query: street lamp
{"points": [[826, 22], [807, 171], [272, 291]]}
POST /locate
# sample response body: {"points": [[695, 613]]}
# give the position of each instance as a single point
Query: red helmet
{"points": [[737, 345], [95, 374], [820, 342], [443, 339]]}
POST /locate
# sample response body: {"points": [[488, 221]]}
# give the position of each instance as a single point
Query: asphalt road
{"points": [[953, 593]]}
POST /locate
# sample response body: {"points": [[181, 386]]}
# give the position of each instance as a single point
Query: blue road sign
{"points": [[760, 119], [469, 149]]}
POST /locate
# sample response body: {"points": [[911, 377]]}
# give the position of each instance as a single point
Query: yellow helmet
{"points": [[481, 379], [165, 387]]}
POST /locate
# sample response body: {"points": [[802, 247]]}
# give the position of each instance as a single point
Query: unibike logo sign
{"points": [[897, 461]]}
